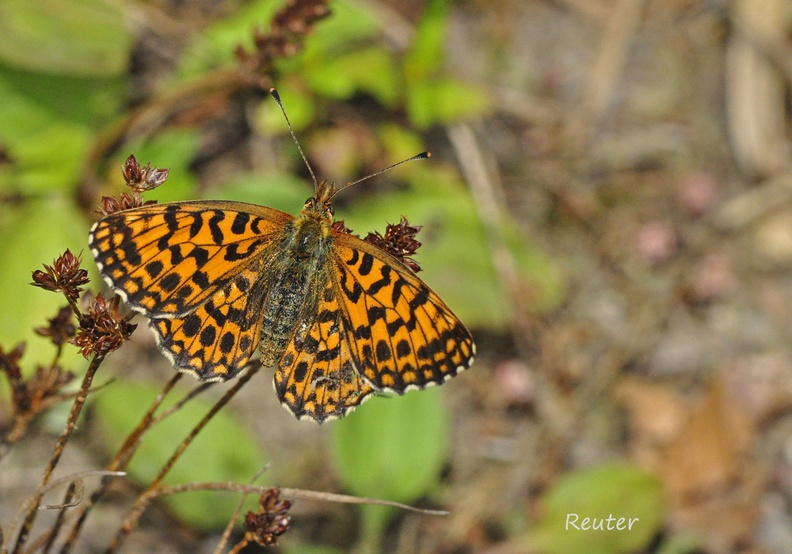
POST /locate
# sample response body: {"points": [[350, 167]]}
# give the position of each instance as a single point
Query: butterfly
{"points": [[339, 318]]}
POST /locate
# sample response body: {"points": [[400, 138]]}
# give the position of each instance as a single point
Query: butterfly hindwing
{"points": [[402, 335], [317, 377], [216, 340]]}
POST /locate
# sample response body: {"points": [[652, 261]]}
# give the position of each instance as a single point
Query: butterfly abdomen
{"points": [[293, 278]]}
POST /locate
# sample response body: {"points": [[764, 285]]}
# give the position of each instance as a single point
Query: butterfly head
{"points": [[320, 206]]}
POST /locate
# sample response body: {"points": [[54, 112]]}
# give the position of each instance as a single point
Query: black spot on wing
{"points": [[233, 253], [214, 226], [300, 371], [240, 223], [170, 282], [154, 268], [383, 351], [201, 279], [192, 324], [208, 336], [131, 253], [227, 342], [403, 349], [196, 225], [201, 256], [366, 264], [384, 281]]}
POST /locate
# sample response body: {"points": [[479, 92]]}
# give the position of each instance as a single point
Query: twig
{"points": [[33, 502], [143, 499], [755, 94], [120, 461], [488, 197], [180, 404], [230, 527], [285, 491], [74, 495], [603, 77], [76, 409]]}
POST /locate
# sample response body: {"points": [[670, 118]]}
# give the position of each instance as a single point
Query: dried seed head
{"points": [[102, 329], [9, 362], [340, 227], [270, 521], [288, 28], [61, 328], [142, 178], [33, 395], [63, 276], [399, 241], [111, 205]]}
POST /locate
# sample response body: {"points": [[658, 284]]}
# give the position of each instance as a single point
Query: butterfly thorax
{"points": [[294, 274]]}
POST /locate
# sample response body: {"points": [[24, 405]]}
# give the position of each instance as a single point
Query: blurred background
{"points": [[608, 208]]}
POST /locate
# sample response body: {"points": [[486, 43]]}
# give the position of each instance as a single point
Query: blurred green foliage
{"points": [[63, 84], [223, 451], [620, 490], [68, 37], [60, 81], [392, 448]]}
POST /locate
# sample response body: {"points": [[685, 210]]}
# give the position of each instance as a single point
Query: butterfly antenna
{"points": [[421, 156], [276, 96]]}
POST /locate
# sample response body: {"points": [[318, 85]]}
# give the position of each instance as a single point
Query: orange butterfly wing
{"points": [[317, 377], [191, 267], [218, 339], [376, 328], [403, 336], [201, 271]]}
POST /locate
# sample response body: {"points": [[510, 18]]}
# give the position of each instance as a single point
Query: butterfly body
{"points": [[297, 273], [339, 318]]}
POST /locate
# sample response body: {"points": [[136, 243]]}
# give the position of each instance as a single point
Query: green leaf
{"points": [[426, 53], [337, 61], [216, 44], [405, 442], [349, 24], [50, 160], [443, 101], [392, 448], [370, 70], [299, 105], [46, 126], [611, 491], [682, 542], [78, 37], [399, 143], [33, 233], [284, 192], [432, 98], [223, 451], [37, 99]]}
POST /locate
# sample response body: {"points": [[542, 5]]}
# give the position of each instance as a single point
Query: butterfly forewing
{"points": [[187, 266], [165, 260]]}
